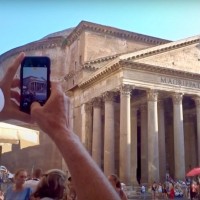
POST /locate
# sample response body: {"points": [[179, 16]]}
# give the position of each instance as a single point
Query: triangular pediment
{"points": [[181, 55]]}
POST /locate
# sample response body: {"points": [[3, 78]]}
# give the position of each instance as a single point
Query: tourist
{"points": [[33, 182], [153, 190], [53, 119], [114, 180], [171, 193], [18, 191], [51, 186]]}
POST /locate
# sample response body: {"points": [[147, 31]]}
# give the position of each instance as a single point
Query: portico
{"points": [[146, 118]]}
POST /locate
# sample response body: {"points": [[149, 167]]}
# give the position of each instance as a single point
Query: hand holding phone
{"points": [[35, 81]]}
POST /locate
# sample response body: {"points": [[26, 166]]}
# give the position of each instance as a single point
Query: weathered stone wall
{"points": [[99, 45]]}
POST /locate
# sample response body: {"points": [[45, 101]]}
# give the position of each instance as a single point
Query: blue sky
{"points": [[24, 21]]}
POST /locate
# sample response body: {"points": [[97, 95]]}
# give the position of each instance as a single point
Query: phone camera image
{"points": [[35, 84]]}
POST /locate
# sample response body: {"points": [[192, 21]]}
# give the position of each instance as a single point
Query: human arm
{"points": [[53, 118], [11, 108]]}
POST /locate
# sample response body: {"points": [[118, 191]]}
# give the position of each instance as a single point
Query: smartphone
{"points": [[34, 81]]}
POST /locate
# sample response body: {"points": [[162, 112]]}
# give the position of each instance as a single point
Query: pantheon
{"points": [[135, 101]]}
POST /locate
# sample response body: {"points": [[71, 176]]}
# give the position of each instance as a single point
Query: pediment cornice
{"points": [[126, 64], [161, 48], [89, 26], [37, 45]]}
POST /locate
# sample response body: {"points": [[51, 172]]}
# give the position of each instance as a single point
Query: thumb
{"points": [[35, 109]]}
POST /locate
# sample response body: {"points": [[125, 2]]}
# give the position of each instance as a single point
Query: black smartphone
{"points": [[34, 81]]}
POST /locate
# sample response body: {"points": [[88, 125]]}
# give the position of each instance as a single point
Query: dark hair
{"points": [[37, 173], [51, 185], [116, 180]]}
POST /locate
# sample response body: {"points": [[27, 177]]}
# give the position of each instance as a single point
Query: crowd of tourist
{"points": [[51, 185], [170, 189]]}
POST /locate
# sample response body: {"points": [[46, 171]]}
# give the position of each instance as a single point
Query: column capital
{"points": [[152, 95], [109, 96], [177, 98], [97, 102], [125, 89]]}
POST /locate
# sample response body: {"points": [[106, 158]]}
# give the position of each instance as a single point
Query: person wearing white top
{"points": [[33, 182]]}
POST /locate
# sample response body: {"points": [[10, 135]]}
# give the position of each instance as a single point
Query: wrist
{"points": [[62, 133]]}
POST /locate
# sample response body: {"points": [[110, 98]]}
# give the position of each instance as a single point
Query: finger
{"points": [[22, 116], [13, 68], [15, 95], [15, 83], [19, 115]]}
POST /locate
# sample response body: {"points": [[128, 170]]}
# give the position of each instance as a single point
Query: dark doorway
{"points": [[138, 175]]}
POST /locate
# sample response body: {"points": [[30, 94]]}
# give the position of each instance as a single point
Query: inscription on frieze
{"points": [[179, 82]]}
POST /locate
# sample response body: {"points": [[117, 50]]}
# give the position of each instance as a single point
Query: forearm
{"points": [[90, 183]]}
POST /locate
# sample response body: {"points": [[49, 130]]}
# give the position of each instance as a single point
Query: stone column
{"points": [[161, 141], [153, 150], [134, 146], [144, 144], [125, 134], [83, 125], [109, 134], [179, 150], [88, 127], [97, 132], [197, 102]]}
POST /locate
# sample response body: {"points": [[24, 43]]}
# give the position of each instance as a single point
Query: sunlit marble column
{"points": [[153, 150], [97, 132], [134, 145], [125, 134], [179, 150], [197, 102], [161, 141], [109, 134], [144, 144], [88, 127]]}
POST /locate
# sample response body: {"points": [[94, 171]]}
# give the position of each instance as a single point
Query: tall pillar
{"points": [[134, 146], [179, 150], [153, 150], [109, 134], [125, 134], [97, 132], [83, 125], [88, 127], [144, 144], [161, 141], [197, 102]]}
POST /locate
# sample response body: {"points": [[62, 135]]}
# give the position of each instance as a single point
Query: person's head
{"points": [[52, 184], [114, 180], [20, 176], [37, 173]]}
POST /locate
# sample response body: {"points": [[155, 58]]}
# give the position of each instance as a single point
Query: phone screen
{"points": [[34, 82]]}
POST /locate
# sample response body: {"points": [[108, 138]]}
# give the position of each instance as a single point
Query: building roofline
{"points": [[90, 26]]}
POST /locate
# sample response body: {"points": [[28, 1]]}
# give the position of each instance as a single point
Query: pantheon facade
{"points": [[135, 101]]}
